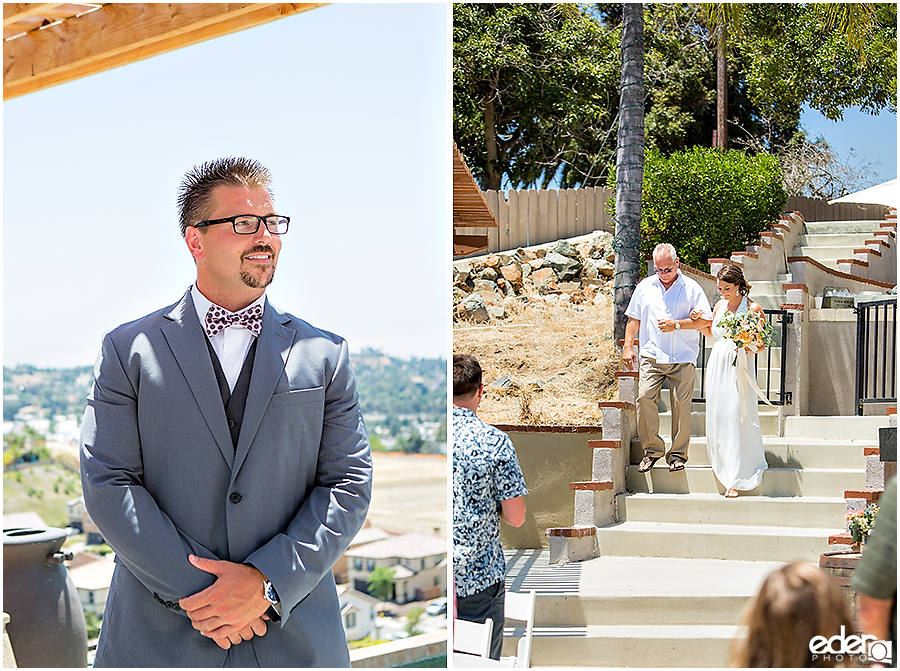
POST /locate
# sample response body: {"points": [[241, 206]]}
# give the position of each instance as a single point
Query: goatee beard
{"points": [[253, 281], [257, 282]]}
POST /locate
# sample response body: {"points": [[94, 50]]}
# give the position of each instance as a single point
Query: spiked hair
{"points": [[197, 186]]}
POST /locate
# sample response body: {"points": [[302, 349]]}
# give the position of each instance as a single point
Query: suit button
{"points": [[235, 497], [230, 423]]}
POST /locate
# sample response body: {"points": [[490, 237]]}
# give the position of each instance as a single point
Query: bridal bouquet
{"points": [[748, 329]]}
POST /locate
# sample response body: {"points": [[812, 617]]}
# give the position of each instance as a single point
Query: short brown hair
{"points": [[466, 375], [734, 275], [195, 192]]}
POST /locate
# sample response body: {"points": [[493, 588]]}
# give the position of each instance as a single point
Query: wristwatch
{"points": [[677, 325], [269, 593]]}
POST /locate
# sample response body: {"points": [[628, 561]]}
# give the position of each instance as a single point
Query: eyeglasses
{"points": [[665, 271], [248, 224]]}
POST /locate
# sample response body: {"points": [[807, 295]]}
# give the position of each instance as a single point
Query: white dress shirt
{"points": [[651, 301], [232, 343]]}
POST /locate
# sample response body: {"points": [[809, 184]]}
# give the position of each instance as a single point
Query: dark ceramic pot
{"points": [[46, 627]]}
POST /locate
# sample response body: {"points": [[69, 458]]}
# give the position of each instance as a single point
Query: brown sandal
{"points": [[647, 464], [676, 465]]}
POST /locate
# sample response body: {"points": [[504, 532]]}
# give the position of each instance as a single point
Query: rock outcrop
{"points": [[575, 271]]}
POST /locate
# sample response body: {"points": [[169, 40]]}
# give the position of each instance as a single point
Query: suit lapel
{"points": [[185, 338], [272, 350]]}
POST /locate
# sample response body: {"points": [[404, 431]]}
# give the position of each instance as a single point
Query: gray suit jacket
{"points": [[162, 479]]}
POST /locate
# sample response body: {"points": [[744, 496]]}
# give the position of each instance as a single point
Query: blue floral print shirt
{"points": [[485, 472]]}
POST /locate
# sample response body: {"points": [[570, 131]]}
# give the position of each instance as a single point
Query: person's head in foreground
{"points": [[796, 603]]}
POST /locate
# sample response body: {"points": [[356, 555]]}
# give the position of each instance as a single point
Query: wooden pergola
{"points": [[470, 209], [45, 44]]}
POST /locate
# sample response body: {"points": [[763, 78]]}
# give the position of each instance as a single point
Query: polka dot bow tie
{"points": [[218, 319]]}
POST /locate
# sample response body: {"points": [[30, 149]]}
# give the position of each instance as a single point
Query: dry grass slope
{"points": [[559, 359]]}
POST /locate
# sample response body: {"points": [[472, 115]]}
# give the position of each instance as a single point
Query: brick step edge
{"points": [[571, 532]]}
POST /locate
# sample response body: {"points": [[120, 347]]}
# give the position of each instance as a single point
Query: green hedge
{"points": [[708, 203]]}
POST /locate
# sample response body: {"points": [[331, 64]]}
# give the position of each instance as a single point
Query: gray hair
{"points": [[665, 249], [195, 192]]}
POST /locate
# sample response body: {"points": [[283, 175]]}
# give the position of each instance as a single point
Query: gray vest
{"points": [[234, 401]]}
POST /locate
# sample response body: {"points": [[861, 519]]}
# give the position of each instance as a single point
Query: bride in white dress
{"points": [[733, 439]]}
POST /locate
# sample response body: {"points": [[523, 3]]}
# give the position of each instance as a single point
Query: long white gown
{"points": [[734, 441]]}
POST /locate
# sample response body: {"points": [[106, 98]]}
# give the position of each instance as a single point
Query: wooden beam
{"points": [[23, 18], [16, 11], [121, 33], [470, 209], [469, 244]]}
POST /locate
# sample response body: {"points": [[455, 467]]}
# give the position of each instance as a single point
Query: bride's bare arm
{"points": [[706, 327]]}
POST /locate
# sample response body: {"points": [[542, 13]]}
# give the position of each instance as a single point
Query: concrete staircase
{"points": [[674, 576], [680, 563], [633, 611], [829, 241]]}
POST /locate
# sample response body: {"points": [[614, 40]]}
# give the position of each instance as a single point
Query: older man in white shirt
{"points": [[659, 316]]}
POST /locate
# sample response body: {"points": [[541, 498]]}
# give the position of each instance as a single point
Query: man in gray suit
{"points": [[224, 456]]}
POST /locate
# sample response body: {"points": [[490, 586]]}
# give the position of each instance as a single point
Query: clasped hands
{"points": [[233, 608]]}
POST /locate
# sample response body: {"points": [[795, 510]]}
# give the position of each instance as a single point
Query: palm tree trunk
{"points": [[629, 164], [721, 87]]}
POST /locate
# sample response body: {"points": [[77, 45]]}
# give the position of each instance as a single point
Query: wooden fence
{"points": [[816, 209], [532, 217]]}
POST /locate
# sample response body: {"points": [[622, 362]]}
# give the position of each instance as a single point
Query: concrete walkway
{"points": [[633, 576], [633, 611]]}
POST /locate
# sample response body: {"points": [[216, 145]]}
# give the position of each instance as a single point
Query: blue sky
{"points": [[873, 139], [347, 104]]}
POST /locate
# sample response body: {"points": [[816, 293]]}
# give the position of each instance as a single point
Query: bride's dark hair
{"points": [[733, 275]]}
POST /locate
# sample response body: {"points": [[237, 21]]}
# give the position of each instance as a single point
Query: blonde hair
{"points": [[796, 603]]}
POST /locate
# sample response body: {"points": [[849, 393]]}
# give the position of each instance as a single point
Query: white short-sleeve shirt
{"points": [[651, 301]]}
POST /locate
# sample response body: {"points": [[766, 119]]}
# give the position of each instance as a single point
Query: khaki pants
{"points": [[681, 388]]}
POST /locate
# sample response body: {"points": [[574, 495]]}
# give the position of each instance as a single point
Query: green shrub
{"points": [[708, 203]]}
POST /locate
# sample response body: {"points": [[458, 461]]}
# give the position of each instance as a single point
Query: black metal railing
{"points": [[876, 352], [777, 396]]}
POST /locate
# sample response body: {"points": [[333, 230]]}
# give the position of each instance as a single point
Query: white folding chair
{"points": [[472, 638], [520, 607]]}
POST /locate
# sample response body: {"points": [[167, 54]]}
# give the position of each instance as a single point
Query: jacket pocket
{"points": [[298, 396]]}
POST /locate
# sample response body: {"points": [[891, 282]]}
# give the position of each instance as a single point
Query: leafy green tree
{"points": [[375, 442], [412, 444], [534, 89], [381, 583], [829, 56], [92, 621], [413, 615]]}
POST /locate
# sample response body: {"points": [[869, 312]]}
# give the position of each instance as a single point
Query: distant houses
{"points": [[92, 575], [357, 612], [419, 562]]}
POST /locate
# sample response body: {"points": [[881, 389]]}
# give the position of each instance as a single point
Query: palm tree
{"points": [[629, 163], [855, 20]]}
